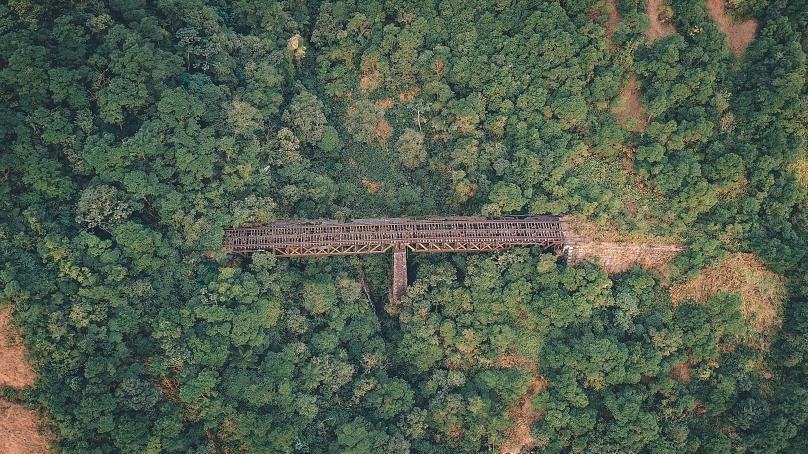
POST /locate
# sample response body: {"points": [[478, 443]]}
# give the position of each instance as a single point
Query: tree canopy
{"points": [[134, 132]]}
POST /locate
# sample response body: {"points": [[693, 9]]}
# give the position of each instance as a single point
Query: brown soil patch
{"points": [[438, 66], [14, 369], [616, 252], [385, 103], [169, 388], [762, 292], [615, 257], [681, 373], [629, 111], [372, 186], [614, 18], [383, 131], [464, 124], [294, 45], [440, 137], [660, 24], [370, 82], [409, 95], [509, 361], [371, 77], [294, 42], [739, 34], [20, 431], [519, 438]]}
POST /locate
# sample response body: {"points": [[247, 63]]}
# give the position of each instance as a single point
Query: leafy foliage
{"points": [[134, 132]]}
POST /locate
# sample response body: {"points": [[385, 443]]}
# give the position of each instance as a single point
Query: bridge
{"points": [[399, 235]]}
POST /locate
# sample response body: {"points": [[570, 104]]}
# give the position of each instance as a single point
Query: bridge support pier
{"points": [[399, 274]]}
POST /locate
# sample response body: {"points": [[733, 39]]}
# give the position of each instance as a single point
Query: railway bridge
{"points": [[397, 235]]}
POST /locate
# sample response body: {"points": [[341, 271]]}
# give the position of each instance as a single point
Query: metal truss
{"points": [[377, 236], [458, 247], [326, 249]]}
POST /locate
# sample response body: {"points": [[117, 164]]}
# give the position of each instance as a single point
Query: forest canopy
{"points": [[134, 132]]}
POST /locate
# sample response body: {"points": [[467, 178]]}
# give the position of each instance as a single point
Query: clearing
{"points": [[519, 438], [619, 257], [629, 111], [739, 34], [618, 253], [577, 228], [20, 432], [660, 15], [681, 372], [14, 370], [762, 291], [800, 169]]}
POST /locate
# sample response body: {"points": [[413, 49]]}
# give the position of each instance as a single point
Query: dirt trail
{"points": [[660, 26], [524, 415], [630, 113], [519, 438], [614, 18], [14, 370], [739, 34], [577, 228]]}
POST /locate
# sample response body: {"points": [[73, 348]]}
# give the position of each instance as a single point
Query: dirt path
{"points": [[577, 228], [14, 370], [524, 415], [660, 26], [739, 34], [630, 113], [519, 438], [614, 18]]}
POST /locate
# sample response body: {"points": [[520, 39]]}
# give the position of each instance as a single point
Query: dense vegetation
{"points": [[133, 132]]}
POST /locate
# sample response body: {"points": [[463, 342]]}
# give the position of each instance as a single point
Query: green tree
{"points": [[410, 148], [504, 198], [305, 116], [102, 206]]}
